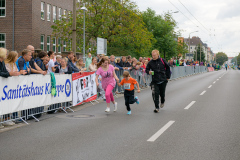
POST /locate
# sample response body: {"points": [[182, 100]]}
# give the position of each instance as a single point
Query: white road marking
{"points": [[220, 77], [214, 82], [190, 105], [210, 86], [217, 79], [202, 93], [160, 132]]}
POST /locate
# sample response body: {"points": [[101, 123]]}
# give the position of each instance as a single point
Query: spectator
{"points": [[112, 62], [42, 61], [140, 59], [64, 68], [23, 61], [74, 60], [51, 66], [88, 60], [58, 60], [34, 67], [70, 57], [10, 62], [80, 65], [93, 65], [124, 63]]}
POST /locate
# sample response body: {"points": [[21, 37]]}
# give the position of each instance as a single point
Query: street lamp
{"points": [[84, 9], [189, 41]]}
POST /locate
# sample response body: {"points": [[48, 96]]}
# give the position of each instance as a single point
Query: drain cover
{"points": [[81, 116]]}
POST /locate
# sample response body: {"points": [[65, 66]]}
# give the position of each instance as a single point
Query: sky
{"points": [[217, 21]]}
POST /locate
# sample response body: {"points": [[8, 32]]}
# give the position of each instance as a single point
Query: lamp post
{"points": [[84, 9], [189, 41]]}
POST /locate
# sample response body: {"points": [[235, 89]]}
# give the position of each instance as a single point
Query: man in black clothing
{"points": [[34, 67], [124, 63], [70, 57], [160, 72]]}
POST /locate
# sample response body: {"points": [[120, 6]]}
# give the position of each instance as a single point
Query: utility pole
{"points": [[74, 34]]}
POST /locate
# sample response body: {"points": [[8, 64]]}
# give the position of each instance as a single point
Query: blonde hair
{"points": [[3, 53], [11, 58], [78, 65], [58, 56], [155, 51]]}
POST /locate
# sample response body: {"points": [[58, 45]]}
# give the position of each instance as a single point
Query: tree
{"points": [[162, 28], [182, 49], [120, 23], [238, 59], [198, 53], [221, 58]]}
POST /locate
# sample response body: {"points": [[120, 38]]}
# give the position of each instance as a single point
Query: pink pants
{"points": [[109, 94]]}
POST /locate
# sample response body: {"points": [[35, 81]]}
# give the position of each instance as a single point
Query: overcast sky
{"points": [[218, 21]]}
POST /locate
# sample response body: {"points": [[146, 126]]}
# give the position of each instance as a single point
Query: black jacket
{"points": [[74, 68], [3, 70], [160, 73], [39, 62], [124, 64]]}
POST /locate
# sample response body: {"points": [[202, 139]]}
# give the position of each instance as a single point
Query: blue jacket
{"points": [[21, 64], [74, 68]]}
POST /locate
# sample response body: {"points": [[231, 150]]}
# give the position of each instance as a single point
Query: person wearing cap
{"points": [[160, 72]]}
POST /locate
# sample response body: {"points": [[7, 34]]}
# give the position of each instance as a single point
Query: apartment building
{"points": [[25, 22]]}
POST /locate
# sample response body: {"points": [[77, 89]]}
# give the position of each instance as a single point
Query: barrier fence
{"points": [[25, 97]]}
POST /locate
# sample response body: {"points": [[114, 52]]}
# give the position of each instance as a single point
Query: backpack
{"points": [[165, 67]]}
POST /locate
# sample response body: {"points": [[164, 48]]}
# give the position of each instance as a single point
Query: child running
{"points": [[128, 84]]}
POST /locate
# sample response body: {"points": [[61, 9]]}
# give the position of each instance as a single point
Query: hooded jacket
{"points": [[161, 71]]}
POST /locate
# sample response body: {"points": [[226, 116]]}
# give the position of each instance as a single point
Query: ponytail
{"points": [[101, 62]]}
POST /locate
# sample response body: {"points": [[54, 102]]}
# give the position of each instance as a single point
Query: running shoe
{"points": [[129, 112], [107, 109], [162, 105], [156, 110], [137, 100]]}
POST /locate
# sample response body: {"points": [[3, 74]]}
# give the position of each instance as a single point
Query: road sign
{"points": [[101, 46]]}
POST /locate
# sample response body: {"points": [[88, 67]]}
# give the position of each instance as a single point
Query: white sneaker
{"points": [[8, 123], [162, 105], [107, 109], [115, 107]]}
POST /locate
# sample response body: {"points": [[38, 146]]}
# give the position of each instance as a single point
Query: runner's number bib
{"points": [[127, 85]]}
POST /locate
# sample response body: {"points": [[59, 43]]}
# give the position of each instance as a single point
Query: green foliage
{"points": [[198, 54], [162, 28], [238, 59], [182, 49], [221, 58], [120, 23]]}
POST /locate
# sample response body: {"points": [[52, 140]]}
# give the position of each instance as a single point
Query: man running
{"points": [[160, 72]]}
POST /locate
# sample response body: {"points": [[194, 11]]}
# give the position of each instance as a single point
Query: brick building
{"points": [[25, 22]]}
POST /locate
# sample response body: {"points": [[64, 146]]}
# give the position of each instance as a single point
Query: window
{"points": [[48, 12], [59, 13], [64, 46], [54, 44], [42, 42], [3, 40], [64, 13], [42, 11], [54, 13], [59, 45], [2, 8], [48, 43]]}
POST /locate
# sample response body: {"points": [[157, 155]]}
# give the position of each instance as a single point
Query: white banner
{"points": [[25, 92], [84, 87]]}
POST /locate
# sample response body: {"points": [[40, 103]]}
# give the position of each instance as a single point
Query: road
{"points": [[200, 121]]}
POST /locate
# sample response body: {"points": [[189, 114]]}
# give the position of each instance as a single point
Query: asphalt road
{"points": [[200, 121]]}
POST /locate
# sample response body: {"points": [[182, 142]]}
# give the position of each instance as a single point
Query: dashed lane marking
{"points": [[202, 93], [210, 86], [190, 105], [160, 132]]}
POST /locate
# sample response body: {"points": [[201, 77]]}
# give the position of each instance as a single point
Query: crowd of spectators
{"points": [[45, 63]]}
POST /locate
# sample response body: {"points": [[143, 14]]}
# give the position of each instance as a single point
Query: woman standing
{"points": [[80, 65], [64, 68], [10, 63], [93, 66], [108, 81]]}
